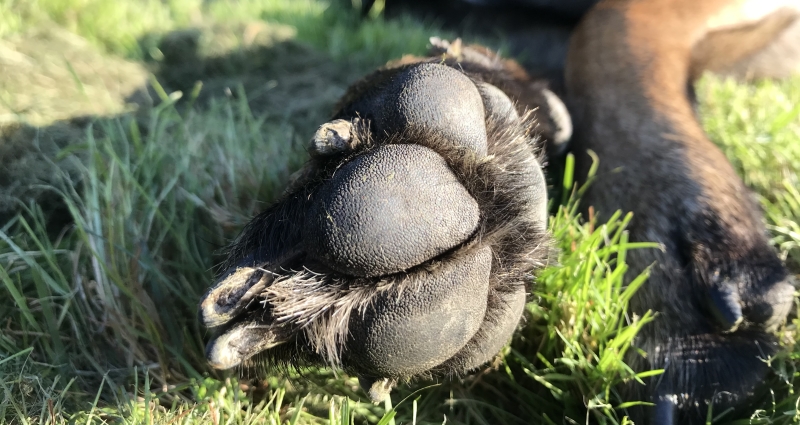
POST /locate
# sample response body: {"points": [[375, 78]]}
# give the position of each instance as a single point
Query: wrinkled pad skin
{"points": [[407, 333], [494, 333], [389, 210], [405, 247]]}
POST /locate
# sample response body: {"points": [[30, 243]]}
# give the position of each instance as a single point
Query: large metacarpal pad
{"points": [[393, 208]]}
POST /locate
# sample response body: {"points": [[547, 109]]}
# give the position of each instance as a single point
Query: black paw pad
{"points": [[423, 321], [404, 248], [388, 210], [430, 98]]}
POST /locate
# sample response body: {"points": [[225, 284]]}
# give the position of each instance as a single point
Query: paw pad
{"points": [[404, 248]]}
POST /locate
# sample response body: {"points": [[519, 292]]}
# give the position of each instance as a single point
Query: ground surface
{"points": [[122, 176]]}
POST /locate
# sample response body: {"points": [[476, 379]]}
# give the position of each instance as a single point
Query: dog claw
{"points": [[378, 390], [240, 343], [726, 306], [230, 296], [333, 137]]}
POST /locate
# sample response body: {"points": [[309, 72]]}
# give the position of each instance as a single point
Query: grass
{"points": [[99, 316], [757, 127], [127, 28]]}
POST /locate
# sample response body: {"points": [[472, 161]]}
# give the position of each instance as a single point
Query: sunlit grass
{"points": [[130, 28], [758, 128]]}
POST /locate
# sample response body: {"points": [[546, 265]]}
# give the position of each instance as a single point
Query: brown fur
{"points": [[628, 76]]}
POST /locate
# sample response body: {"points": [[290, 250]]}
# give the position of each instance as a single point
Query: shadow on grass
{"points": [[284, 81]]}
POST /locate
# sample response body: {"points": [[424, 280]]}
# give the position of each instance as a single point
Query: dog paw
{"points": [[404, 248]]}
